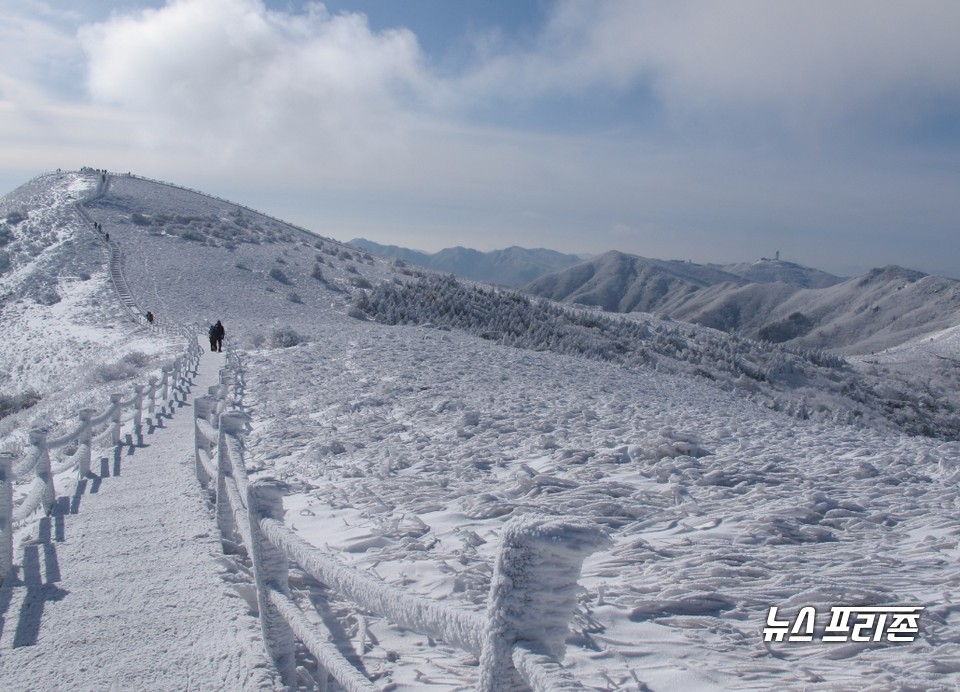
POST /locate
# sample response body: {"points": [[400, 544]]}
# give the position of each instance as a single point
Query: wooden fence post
{"points": [[270, 569], [38, 439], [84, 442], [138, 409], [152, 405], [6, 516], [116, 413], [192, 357], [165, 384], [533, 592], [202, 407], [177, 380], [230, 424], [227, 380]]}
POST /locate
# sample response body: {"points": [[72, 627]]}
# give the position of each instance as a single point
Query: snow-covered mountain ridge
{"points": [[512, 266], [769, 299], [407, 447]]}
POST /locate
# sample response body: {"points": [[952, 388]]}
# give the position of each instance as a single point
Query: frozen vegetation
{"points": [[411, 416]]}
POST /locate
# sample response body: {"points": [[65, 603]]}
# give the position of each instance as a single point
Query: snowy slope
{"points": [[62, 330], [407, 447], [416, 447]]}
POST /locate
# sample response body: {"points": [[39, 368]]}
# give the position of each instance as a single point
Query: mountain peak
{"points": [[891, 272]]}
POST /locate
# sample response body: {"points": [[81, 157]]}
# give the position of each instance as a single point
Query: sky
{"points": [[827, 130]]}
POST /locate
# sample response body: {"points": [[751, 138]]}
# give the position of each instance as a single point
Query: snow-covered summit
{"points": [[766, 270]]}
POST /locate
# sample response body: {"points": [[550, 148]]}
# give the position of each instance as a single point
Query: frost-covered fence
{"points": [[91, 431], [520, 640]]}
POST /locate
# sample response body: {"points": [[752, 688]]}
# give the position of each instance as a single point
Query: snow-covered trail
{"points": [[130, 557]]}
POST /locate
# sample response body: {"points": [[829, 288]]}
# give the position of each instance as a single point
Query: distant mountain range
{"points": [[513, 266], [769, 299]]}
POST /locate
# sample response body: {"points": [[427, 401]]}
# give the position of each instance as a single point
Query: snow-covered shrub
{"points": [[49, 297], [285, 337], [360, 282], [317, 273], [15, 217], [191, 234], [125, 368], [797, 324], [277, 275], [294, 297], [12, 403]]}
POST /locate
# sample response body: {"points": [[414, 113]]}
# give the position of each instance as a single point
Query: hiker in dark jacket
{"points": [[220, 334], [213, 337]]}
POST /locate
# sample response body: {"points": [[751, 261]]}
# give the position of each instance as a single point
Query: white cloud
{"points": [[229, 75], [812, 64], [235, 80], [237, 99], [35, 54]]}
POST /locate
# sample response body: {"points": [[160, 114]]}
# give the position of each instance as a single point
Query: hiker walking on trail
{"points": [[216, 336], [149, 317]]}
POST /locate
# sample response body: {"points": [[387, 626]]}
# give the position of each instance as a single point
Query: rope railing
{"points": [[520, 639], [87, 434]]}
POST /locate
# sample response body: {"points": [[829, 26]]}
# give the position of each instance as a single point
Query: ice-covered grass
{"points": [[407, 448], [410, 448]]}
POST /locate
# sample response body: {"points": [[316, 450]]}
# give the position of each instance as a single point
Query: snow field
{"points": [[407, 450], [413, 447]]}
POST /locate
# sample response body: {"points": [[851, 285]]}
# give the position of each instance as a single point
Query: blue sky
{"points": [[717, 132]]}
